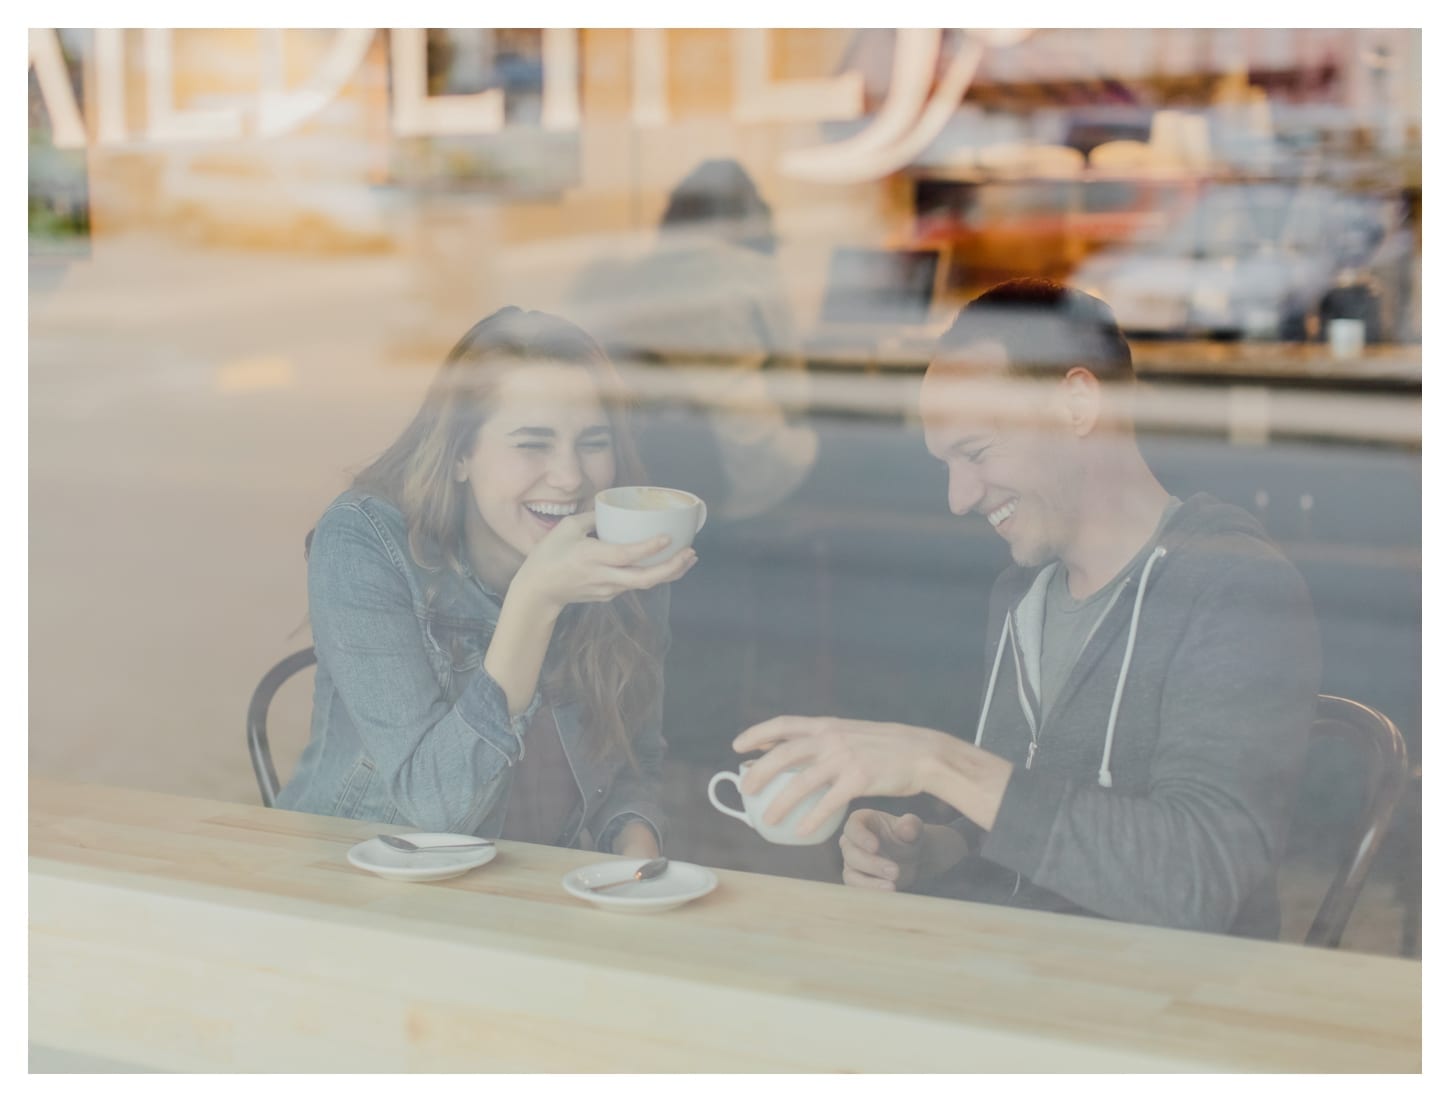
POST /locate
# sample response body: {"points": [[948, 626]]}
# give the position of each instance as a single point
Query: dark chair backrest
{"points": [[1386, 769], [257, 744]]}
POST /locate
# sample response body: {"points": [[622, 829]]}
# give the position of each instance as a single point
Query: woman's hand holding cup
{"points": [[568, 566]]}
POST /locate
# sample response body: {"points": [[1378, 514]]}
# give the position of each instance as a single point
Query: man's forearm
{"points": [[969, 779]]}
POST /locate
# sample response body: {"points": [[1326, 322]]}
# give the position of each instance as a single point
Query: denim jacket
{"points": [[407, 726]]}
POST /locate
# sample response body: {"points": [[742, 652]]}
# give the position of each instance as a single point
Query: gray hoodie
{"points": [[1162, 782]]}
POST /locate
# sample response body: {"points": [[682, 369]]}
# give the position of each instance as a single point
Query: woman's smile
{"points": [[549, 513]]}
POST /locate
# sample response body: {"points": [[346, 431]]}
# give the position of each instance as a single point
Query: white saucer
{"points": [[680, 883], [374, 856]]}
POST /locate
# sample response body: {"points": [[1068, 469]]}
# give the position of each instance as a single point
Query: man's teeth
{"points": [[998, 516], [553, 509]]}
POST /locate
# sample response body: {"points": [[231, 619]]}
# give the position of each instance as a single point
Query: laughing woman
{"points": [[484, 664]]}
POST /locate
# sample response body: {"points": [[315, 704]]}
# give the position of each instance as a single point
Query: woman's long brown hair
{"points": [[605, 656]]}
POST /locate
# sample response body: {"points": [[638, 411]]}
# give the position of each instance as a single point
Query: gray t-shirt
{"points": [[1068, 623]]}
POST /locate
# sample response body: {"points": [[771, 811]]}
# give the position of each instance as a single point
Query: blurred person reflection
{"points": [[703, 314], [484, 665], [1154, 662], [709, 301]]}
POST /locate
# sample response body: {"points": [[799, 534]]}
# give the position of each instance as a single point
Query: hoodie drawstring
{"points": [[992, 680], [1105, 776]]}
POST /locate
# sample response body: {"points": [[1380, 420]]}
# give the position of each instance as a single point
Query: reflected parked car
{"points": [[1252, 259]]}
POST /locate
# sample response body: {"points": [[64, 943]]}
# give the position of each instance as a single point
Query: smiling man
{"points": [[1153, 663]]}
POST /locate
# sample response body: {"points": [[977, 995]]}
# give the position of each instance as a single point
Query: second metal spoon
{"points": [[648, 871]]}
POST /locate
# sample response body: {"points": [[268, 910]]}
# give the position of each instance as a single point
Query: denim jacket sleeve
{"points": [[635, 795], [444, 763]]}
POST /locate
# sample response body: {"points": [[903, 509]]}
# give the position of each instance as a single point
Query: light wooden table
{"points": [[187, 934]]}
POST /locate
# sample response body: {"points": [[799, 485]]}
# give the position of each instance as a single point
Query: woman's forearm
{"points": [[636, 839], [516, 652]]}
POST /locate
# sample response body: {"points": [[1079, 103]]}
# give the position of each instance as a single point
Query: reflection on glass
{"points": [[249, 315]]}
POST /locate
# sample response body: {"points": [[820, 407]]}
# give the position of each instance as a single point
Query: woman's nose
{"points": [[566, 473]]}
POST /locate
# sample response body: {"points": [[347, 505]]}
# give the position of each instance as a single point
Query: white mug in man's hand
{"points": [[629, 514], [784, 832]]}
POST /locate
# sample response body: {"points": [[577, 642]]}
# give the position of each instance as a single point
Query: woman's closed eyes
{"points": [[594, 444]]}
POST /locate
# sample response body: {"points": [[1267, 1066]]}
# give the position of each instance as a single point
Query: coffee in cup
{"points": [[629, 514], [784, 832]]}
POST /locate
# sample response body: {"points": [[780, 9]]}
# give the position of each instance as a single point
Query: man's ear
{"points": [[460, 469], [1081, 398]]}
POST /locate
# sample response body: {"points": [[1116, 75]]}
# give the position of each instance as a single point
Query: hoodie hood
{"points": [[1203, 522]]}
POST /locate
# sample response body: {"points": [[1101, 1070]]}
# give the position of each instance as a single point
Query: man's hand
{"points": [[881, 851], [848, 757], [894, 852], [851, 758]]}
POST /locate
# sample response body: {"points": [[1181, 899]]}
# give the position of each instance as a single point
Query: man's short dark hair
{"points": [[1046, 328]]}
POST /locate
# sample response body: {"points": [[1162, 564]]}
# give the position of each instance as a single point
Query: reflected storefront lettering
{"points": [[911, 117]]}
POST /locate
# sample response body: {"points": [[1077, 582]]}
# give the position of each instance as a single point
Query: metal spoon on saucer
{"points": [[648, 871], [412, 847]]}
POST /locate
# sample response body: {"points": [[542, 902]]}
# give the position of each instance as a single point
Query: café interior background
{"points": [[249, 251]]}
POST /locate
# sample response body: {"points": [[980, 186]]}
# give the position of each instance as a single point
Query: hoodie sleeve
{"points": [[1236, 709]]}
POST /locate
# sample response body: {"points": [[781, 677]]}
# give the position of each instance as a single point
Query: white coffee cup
{"points": [[629, 514], [1346, 338], [784, 832]]}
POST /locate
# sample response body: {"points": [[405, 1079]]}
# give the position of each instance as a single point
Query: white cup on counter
{"points": [[1346, 338], [782, 833]]}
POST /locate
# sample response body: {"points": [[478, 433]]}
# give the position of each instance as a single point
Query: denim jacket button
{"points": [[599, 792]]}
